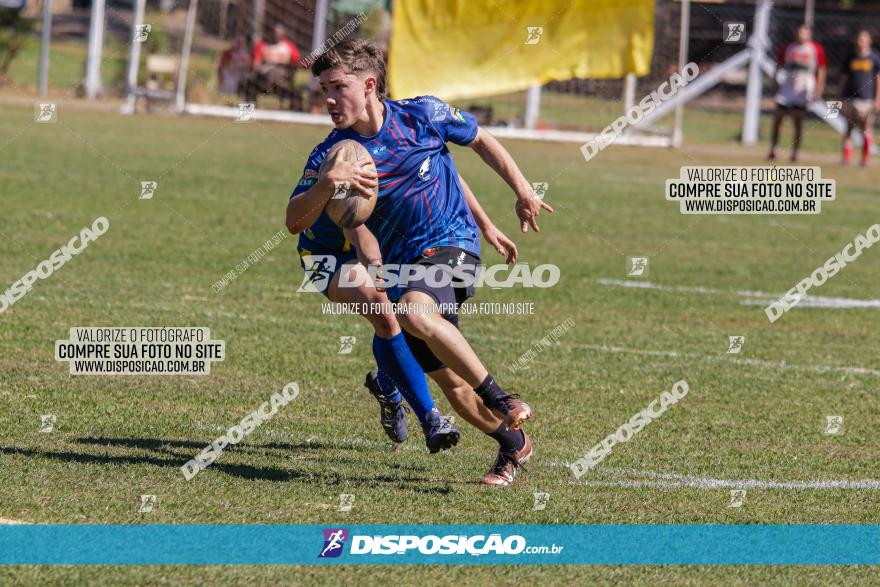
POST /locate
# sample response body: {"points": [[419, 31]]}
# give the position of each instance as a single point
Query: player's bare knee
{"points": [[384, 323], [458, 394], [418, 325], [406, 322]]}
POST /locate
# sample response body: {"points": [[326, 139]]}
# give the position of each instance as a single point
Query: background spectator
{"points": [[273, 63], [234, 65], [803, 80], [859, 93]]}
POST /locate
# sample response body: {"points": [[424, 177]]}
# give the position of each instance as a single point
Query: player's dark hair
{"points": [[354, 56]]}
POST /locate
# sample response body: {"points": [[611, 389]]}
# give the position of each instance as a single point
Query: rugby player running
{"points": [[421, 217]]}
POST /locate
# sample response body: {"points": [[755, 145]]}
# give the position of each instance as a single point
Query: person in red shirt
{"points": [[281, 52], [234, 65], [272, 63], [801, 80]]}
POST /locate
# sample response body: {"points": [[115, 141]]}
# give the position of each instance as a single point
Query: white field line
{"points": [[701, 483], [784, 365], [12, 521], [618, 349], [724, 358], [750, 298], [607, 348], [730, 359], [657, 480]]}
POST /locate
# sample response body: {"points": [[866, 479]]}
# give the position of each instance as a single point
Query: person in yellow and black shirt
{"points": [[859, 85]]}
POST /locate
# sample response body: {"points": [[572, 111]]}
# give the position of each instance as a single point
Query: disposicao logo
{"points": [[334, 540]]}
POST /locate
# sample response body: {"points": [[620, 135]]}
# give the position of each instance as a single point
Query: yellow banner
{"points": [[469, 48]]}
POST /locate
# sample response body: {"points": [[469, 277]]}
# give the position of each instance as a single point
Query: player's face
{"points": [[345, 96], [804, 35], [863, 42]]}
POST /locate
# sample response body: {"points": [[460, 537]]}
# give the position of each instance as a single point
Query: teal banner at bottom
{"points": [[645, 544]]}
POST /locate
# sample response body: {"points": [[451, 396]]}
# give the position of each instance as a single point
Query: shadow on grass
{"points": [[175, 459], [174, 453], [161, 444]]}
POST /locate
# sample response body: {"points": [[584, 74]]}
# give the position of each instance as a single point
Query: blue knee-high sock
{"points": [[388, 389], [397, 362]]}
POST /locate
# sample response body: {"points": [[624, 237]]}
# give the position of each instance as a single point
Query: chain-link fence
{"points": [[591, 104], [69, 35], [244, 38], [229, 33], [834, 28]]}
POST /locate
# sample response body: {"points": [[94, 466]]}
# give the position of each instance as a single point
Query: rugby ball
{"points": [[347, 207]]}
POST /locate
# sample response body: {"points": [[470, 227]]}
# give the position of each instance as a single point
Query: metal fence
{"points": [[227, 29]]}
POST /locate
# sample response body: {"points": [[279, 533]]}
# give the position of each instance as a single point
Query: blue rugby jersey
{"points": [[421, 204]]}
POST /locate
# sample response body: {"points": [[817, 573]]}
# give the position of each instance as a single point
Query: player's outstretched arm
{"points": [[303, 209], [491, 233], [496, 156]]}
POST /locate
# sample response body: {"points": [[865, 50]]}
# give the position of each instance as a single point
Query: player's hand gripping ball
{"points": [[353, 172]]}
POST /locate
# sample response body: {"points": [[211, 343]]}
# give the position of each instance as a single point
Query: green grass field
{"points": [[222, 187]]}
